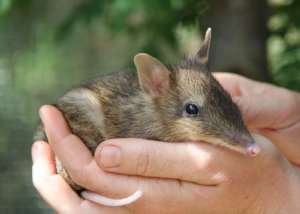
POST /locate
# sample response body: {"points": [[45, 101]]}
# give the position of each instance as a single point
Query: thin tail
{"points": [[99, 199]]}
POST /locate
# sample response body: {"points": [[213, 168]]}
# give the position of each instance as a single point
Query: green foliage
{"points": [[5, 5], [153, 24], [154, 21], [284, 43]]}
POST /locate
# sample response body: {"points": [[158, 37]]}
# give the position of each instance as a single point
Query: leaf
{"points": [[5, 6]]}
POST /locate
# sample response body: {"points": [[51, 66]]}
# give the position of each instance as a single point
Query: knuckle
{"points": [[38, 183], [201, 158], [69, 168], [78, 176], [143, 163], [38, 179], [65, 209], [85, 175], [75, 173]]}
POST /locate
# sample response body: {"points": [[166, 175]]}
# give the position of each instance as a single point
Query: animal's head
{"points": [[191, 103]]}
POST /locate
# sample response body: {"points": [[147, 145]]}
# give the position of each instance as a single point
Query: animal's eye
{"points": [[191, 109]]}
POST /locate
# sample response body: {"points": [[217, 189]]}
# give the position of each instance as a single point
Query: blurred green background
{"points": [[48, 46]]}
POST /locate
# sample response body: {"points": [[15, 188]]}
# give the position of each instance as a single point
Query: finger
{"points": [[238, 87], [251, 97], [193, 162], [230, 82], [282, 129], [66, 146], [54, 190], [50, 185], [290, 148], [78, 161]]}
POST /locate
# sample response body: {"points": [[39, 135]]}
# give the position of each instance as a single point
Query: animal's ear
{"points": [[154, 77], [203, 53]]}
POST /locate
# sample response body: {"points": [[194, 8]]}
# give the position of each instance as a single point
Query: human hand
{"points": [[54, 189], [271, 110], [175, 178]]}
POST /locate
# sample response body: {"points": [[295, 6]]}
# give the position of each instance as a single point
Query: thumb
{"points": [[191, 162], [259, 116], [252, 113], [286, 140]]}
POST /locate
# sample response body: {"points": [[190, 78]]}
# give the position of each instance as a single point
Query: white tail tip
{"points": [[99, 199]]}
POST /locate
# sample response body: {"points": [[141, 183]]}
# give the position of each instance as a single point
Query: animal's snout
{"points": [[247, 142]]}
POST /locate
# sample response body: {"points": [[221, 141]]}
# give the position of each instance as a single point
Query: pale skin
{"points": [[182, 177]]}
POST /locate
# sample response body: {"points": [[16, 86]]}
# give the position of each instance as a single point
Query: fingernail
{"points": [[34, 151], [110, 156]]}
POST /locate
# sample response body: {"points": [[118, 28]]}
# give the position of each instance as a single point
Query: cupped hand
{"points": [[271, 110], [174, 177]]}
